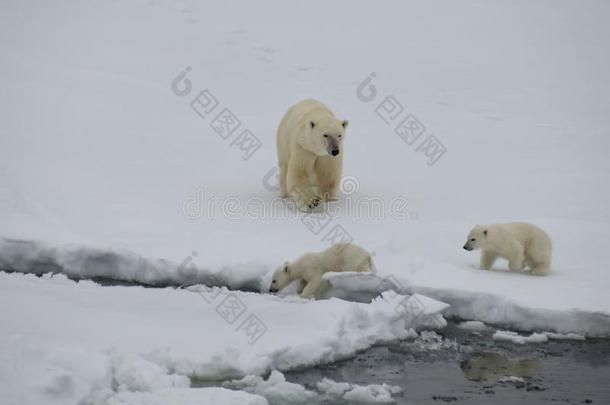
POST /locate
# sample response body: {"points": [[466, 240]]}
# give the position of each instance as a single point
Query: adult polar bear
{"points": [[310, 153], [520, 243]]}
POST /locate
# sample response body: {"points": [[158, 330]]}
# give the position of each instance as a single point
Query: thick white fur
{"points": [[308, 171], [521, 243], [310, 268]]}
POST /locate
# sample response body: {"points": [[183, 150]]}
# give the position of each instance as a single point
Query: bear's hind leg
{"points": [[541, 269], [538, 257], [365, 265]]}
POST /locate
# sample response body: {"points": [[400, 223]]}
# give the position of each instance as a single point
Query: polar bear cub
{"points": [[310, 153], [520, 243], [310, 268]]}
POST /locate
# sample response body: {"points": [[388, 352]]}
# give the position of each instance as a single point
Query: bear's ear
{"points": [[312, 124], [344, 123], [485, 232], [286, 267]]}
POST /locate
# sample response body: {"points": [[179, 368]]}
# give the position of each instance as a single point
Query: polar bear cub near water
{"points": [[520, 243], [310, 268], [310, 153]]}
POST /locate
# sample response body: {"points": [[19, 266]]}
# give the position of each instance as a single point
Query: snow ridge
{"points": [[500, 310], [83, 262]]}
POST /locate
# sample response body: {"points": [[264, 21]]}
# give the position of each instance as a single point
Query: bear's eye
{"points": [[273, 282], [325, 135], [472, 240]]}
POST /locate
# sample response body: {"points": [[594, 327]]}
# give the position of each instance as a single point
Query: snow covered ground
{"points": [[64, 341], [107, 170]]}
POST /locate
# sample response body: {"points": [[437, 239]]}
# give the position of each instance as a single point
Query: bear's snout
{"points": [[332, 146], [466, 247], [273, 290]]}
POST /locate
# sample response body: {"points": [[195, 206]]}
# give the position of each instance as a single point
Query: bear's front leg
{"points": [[315, 287], [298, 182], [306, 197], [541, 269], [283, 188], [328, 190], [487, 260], [302, 285], [328, 176]]}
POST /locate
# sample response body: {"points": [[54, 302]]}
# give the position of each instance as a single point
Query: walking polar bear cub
{"points": [[310, 268], [310, 153], [520, 243]]}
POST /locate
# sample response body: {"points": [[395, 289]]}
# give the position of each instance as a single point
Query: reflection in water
{"points": [[493, 366]]}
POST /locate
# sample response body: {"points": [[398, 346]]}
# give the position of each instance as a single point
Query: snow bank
{"points": [[373, 393], [563, 336], [499, 310], [428, 341], [514, 337], [84, 262], [275, 389], [74, 340], [476, 326], [543, 337], [363, 287], [278, 391], [511, 379], [133, 373]]}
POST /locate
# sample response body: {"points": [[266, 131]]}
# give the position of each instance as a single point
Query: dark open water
{"points": [[464, 367]]}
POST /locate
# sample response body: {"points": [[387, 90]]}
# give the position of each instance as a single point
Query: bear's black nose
{"points": [[273, 290], [334, 152], [466, 247]]}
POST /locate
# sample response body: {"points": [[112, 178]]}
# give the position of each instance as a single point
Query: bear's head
{"points": [[281, 278], [476, 238], [325, 136]]}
